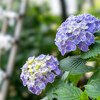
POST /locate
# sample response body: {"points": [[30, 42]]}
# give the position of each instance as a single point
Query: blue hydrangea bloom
{"points": [[38, 71], [77, 31]]}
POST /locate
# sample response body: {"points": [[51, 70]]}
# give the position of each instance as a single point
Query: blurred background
{"points": [[41, 20]]}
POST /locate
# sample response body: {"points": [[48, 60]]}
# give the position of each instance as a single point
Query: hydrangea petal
{"points": [[50, 77], [83, 46]]}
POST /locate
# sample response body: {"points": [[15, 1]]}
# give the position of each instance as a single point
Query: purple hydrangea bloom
{"points": [[77, 31], [38, 71]]}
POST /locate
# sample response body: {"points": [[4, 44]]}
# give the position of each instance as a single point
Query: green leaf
{"points": [[45, 98], [97, 41], [95, 76], [75, 79], [97, 33], [93, 88], [68, 93], [83, 69], [51, 88], [84, 96], [94, 51], [72, 62], [98, 98], [75, 64], [66, 75]]}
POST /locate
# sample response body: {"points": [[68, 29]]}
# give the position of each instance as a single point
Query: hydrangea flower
{"points": [[77, 31], [5, 41], [38, 71]]}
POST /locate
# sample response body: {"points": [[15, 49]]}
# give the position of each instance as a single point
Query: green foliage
{"points": [[97, 33], [51, 88], [98, 98], [66, 75], [45, 98], [75, 79], [97, 41], [93, 85], [94, 51], [84, 96], [96, 75], [61, 91], [75, 64], [92, 88], [68, 93]]}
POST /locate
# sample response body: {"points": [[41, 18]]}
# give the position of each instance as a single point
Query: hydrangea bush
{"points": [[39, 73]]}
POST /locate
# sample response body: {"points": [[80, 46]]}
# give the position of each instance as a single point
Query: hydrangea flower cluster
{"points": [[77, 31], [38, 71], [5, 41]]}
